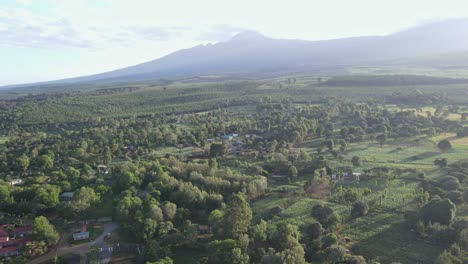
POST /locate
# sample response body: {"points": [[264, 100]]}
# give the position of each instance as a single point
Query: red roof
{"points": [[83, 228], [3, 233], [13, 242], [9, 249]]}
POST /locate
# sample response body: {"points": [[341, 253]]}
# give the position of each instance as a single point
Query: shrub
{"points": [[359, 209]]}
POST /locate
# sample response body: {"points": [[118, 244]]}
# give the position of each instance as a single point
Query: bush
{"points": [[456, 197], [438, 210], [326, 216], [451, 185], [329, 240], [359, 209], [459, 175], [276, 210], [356, 161], [314, 231]]}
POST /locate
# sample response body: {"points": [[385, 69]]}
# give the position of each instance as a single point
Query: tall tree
{"points": [[83, 199], [237, 216], [23, 162], [44, 231], [45, 162]]}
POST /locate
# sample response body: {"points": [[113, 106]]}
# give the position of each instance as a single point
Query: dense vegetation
{"points": [[273, 171]]}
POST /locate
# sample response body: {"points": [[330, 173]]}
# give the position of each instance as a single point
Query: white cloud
{"points": [[107, 34], [113, 23], [24, 2]]}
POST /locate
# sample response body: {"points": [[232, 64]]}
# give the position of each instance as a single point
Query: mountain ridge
{"points": [[251, 52]]}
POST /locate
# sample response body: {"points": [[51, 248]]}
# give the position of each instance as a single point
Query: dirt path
{"points": [[82, 249]]}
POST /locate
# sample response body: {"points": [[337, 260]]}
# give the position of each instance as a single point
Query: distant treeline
{"points": [[390, 80]]}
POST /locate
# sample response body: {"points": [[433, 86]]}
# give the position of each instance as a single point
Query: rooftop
{"points": [[9, 249], [67, 194]]}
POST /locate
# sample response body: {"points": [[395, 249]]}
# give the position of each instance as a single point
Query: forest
{"points": [[294, 169]]}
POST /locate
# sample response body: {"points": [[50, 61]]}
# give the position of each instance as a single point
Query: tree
{"points": [[321, 213], [381, 139], [45, 162], [23, 162], [293, 171], [218, 149], [444, 145], [355, 260], [356, 160], [335, 254], [344, 132], [83, 199], [359, 209], [152, 251], [287, 238], [328, 240], [441, 162], [330, 144], [259, 231], [5, 196], [462, 239], [149, 228], [326, 216], [237, 216], [438, 210], [44, 231], [271, 146], [169, 209], [47, 196], [125, 180], [450, 183], [215, 220], [314, 231], [227, 252], [166, 260]]}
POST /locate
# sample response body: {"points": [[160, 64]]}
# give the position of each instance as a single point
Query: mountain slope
{"points": [[251, 52]]}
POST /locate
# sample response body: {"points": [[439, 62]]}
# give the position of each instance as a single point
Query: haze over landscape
{"points": [[83, 37], [233, 132]]}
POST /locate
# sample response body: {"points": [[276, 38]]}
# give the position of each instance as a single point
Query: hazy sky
{"points": [[52, 39]]}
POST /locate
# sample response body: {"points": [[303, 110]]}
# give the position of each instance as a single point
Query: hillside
{"points": [[249, 53]]}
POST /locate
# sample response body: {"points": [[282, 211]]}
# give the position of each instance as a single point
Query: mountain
{"points": [[251, 52]]}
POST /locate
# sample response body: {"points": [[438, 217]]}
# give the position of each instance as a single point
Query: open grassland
{"points": [[385, 237], [407, 153], [296, 209]]}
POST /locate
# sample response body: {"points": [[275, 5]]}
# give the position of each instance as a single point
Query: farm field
{"points": [[186, 170]]}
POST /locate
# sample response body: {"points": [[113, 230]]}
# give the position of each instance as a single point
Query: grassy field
{"points": [[296, 207], [385, 237], [162, 151], [409, 152], [3, 140]]}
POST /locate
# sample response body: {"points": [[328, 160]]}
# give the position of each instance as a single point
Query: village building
{"points": [[16, 181], [12, 239], [81, 234], [66, 197], [229, 136], [103, 169], [204, 229]]}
